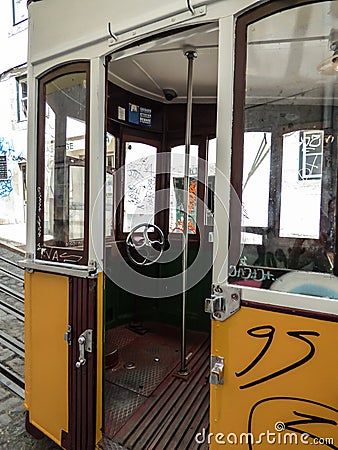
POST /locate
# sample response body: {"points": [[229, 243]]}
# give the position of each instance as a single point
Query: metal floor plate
{"points": [[121, 404], [149, 364], [140, 391]]}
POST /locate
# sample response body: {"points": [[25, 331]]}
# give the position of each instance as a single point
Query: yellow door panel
{"points": [[46, 359], [280, 375]]}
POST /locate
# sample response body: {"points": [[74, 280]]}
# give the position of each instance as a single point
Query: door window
{"points": [[287, 147], [62, 165]]}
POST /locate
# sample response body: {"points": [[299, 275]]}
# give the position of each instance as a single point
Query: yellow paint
{"points": [[46, 358], [100, 362], [279, 399]]}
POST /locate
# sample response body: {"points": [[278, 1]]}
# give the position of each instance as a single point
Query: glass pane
{"points": [[50, 121], [290, 147], [209, 213], [139, 185], [64, 178], [176, 216], [256, 178], [75, 153], [110, 168], [301, 187]]}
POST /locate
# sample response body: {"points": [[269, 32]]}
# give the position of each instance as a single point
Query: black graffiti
{"points": [[270, 334], [306, 419]]}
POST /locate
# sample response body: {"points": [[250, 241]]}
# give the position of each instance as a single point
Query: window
{"points": [[62, 221], [3, 168], [177, 207], [109, 185], [210, 188], [139, 185], [287, 146], [22, 98], [20, 12]]}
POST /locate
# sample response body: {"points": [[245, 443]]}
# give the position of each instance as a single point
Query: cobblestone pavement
{"points": [[13, 435]]}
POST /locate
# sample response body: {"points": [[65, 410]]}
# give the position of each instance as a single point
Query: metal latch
{"points": [[217, 370], [85, 341], [67, 336], [222, 305]]}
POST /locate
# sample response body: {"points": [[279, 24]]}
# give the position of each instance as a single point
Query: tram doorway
{"points": [[161, 156]]}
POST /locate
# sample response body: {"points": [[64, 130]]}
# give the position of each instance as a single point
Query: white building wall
{"points": [[13, 132]]}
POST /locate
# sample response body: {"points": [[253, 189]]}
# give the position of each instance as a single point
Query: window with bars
{"points": [[22, 98], [20, 12]]}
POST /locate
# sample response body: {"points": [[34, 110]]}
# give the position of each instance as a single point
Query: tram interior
{"points": [[146, 122], [148, 402]]}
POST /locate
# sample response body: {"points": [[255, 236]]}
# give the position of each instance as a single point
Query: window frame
{"points": [[60, 254]]}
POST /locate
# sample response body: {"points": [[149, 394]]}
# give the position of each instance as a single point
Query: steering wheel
{"points": [[142, 245]]}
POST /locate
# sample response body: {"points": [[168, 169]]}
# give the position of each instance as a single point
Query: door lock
{"points": [[85, 341], [223, 304], [217, 370]]}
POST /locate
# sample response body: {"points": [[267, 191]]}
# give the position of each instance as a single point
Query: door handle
{"points": [[85, 341]]}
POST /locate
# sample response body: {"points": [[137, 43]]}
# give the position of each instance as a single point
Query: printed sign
{"points": [[121, 113], [145, 116], [139, 115]]}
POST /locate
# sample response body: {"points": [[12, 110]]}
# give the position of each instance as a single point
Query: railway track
{"points": [[11, 321]]}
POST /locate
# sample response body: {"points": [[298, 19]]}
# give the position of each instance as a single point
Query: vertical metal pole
{"points": [[191, 55]]}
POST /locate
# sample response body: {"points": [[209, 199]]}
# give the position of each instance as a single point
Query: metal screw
{"points": [[235, 297]]}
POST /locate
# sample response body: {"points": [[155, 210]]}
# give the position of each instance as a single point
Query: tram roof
{"points": [[59, 30]]}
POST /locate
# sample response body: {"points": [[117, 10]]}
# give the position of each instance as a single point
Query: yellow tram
{"points": [[181, 271]]}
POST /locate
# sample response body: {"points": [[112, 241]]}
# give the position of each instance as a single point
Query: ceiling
{"points": [[283, 53], [163, 65]]}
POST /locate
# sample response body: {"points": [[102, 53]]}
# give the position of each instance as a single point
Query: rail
{"points": [[8, 375]]}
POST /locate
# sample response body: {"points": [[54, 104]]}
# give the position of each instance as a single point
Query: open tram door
{"points": [[274, 310]]}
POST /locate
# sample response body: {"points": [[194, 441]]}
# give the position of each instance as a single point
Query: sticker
{"points": [[145, 116], [121, 113], [134, 114]]}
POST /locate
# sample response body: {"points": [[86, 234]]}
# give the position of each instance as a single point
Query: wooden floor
{"points": [[147, 406]]}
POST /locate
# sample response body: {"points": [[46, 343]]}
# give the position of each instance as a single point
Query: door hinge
{"points": [[222, 304], [216, 370], [67, 336]]}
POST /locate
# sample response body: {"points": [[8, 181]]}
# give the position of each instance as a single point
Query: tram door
{"points": [[60, 293], [274, 365]]}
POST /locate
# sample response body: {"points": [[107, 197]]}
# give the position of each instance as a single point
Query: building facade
{"points": [[13, 111]]}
